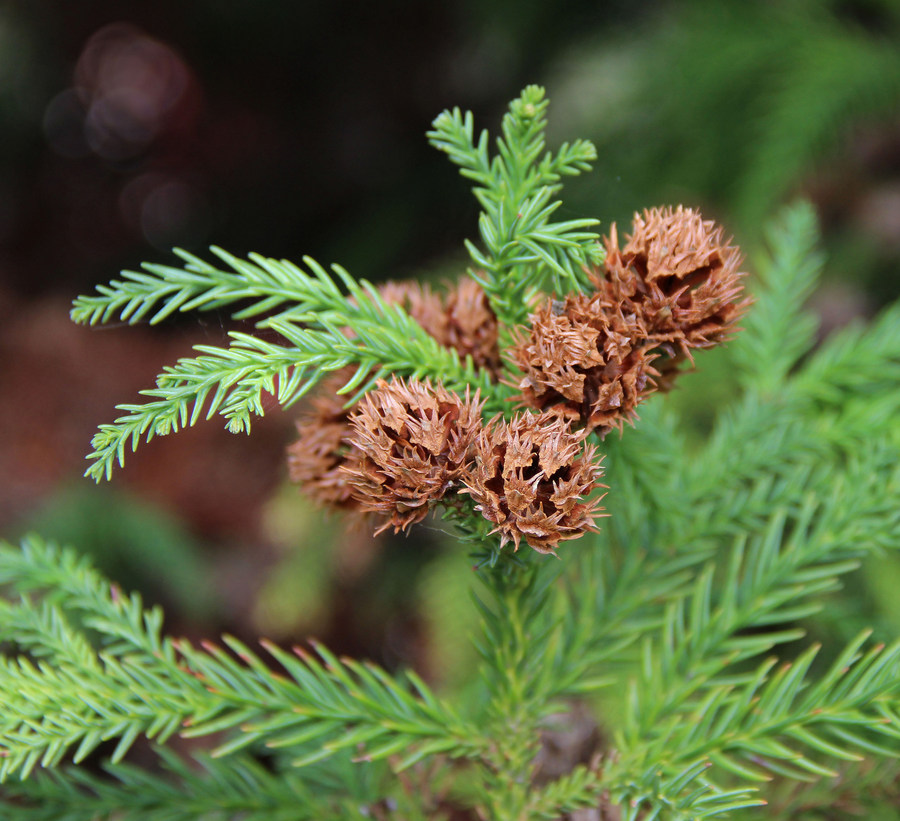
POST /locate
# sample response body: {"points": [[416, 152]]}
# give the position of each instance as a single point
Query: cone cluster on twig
{"points": [[586, 361], [408, 445], [674, 286], [461, 319]]}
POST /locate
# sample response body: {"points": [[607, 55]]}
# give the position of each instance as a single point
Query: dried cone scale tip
{"points": [[531, 477], [583, 361], [679, 275], [410, 444]]}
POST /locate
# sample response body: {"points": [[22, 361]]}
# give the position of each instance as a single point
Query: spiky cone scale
{"points": [[410, 444], [680, 275], [531, 478], [583, 360], [315, 459]]}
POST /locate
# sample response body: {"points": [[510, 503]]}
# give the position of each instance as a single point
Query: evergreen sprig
{"points": [[315, 317], [139, 683], [524, 250], [267, 284], [798, 408], [774, 723], [776, 335], [223, 789], [769, 583]]}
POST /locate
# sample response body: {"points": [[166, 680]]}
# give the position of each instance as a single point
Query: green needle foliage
{"points": [[231, 381], [523, 251], [679, 625]]}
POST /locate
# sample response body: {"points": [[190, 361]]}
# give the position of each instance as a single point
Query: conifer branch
{"points": [[524, 251], [267, 283], [233, 381], [775, 723], [68, 582], [727, 472], [576, 790], [225, 790], [686, 795], [230, 381], [781, 401], [518, 630], [608, 605], [144, 684], [777, 332], [732, 487], [856, 361], [768, 581], [864, 787]]}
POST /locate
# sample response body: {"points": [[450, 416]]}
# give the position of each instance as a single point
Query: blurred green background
{"points": [[294, 128]]}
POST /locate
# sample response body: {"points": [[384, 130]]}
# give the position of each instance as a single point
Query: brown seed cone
{"points": [[315, 459], [420, 302], [678, 274], [530, 479], [410, 443], [461, 319], [471, 325], [583, 360]]}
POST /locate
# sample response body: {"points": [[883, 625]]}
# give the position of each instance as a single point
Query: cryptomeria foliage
{"points": [[680, 623]]}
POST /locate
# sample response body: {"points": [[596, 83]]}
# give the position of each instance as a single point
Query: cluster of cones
{"points": [[585, 362], [674, 286]]}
